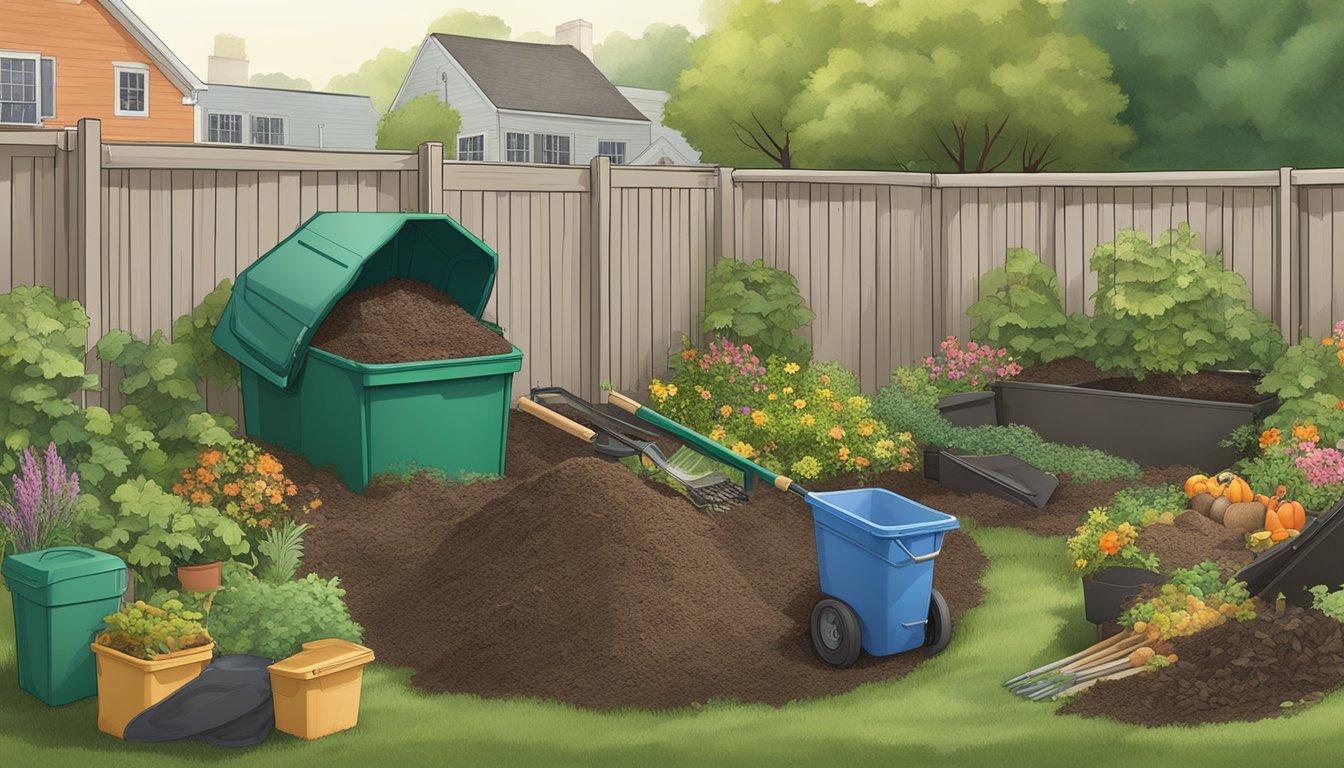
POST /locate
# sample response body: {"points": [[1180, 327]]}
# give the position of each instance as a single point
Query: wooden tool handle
{"points": [[556, 420], [621, 401], [782, 482]]}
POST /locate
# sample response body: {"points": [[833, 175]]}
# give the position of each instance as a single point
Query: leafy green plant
{"points": [[1308, 379], [1145, 505], [1327, 602], [757, 305], [261, 618], [1168, 307], [1310, 473], [1102, 542], [1192, 600], [282, 549], [1244, 439], [144, 631], [155, 531], [1021, 309]]}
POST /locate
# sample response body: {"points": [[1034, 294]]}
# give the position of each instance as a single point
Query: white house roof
{"points": [[172, 67]]}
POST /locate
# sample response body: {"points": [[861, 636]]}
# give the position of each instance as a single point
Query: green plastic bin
{"points": [[60, 598], [358, 418]]}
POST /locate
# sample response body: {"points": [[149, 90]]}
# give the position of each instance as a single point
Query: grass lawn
{"points": [[951, 711]]}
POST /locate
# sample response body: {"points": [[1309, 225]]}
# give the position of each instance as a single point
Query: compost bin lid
{"points": [[279, 302], [322, 657], [46, 567]]}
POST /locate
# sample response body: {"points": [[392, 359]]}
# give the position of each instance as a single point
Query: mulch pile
{"points": [[1193, 538], [1069, 370], [1236, 671], [573, 579], [1198, 386], [404, 321]]}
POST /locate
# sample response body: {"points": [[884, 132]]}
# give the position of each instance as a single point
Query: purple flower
{"points": [[746, 411], [34, 512]]}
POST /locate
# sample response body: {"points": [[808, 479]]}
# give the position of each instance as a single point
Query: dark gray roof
{"points": [[538, 77]]}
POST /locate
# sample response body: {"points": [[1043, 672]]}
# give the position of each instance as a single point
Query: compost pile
{"points": [[404, 321], [1205, 385], [1236, 671], [574, 579], [1193, 538]]}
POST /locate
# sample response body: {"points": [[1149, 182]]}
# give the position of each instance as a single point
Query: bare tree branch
{"points": [[755, 143]]}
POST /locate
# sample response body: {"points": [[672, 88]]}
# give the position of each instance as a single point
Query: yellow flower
{"points": [[855, 401], [825, 393], [800, 403], [788, 390], [743, 449], [791, 368], [844, 453], [725, 411], [672, 390], [1328, 340], [717, 433], [808, 420], [866, 427], [837, 407], [837, 433], [758, 417], [772, 396], [1080, 563]]}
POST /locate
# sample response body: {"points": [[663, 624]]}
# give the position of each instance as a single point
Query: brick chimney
{"points": [[578, 33], [228, 65]]}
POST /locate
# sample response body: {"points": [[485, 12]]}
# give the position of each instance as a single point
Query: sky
{"points": [[316, 39]]}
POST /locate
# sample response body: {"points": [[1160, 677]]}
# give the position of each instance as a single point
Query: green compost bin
{"points": [[60, 597], [365, 419]]}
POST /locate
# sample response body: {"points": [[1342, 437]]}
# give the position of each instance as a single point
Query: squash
{"points": [[1292, 515], [1201, 502], [1279, 535], [1195, 485], [1246, 515], [1218, 508], [1236, 489], [1215, 489], [1272, 522]]}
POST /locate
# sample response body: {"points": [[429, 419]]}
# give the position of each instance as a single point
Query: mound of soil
{"points": [[1069, 370], [1193, 538], [573, 579], [404, 321], [1237, 671], [1199, 386]]}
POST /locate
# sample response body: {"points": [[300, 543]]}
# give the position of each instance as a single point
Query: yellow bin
{"points": [[128, 686], [316, 691]]}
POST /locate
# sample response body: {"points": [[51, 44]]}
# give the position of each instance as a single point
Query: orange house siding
{"points": [[85, 41]]}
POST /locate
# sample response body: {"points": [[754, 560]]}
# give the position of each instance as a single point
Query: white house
{"points": [[536, 102]]}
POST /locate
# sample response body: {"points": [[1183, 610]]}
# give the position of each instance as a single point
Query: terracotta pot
{"points": [[128, 686], [199, 578]]}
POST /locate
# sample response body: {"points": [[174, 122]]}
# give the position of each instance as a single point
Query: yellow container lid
{"points": [[322, 657]]}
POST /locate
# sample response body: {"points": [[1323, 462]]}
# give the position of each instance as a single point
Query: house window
{"points": [[554, 149], [268, 130], [518, 146], [48, 86], [612, 149], [224, 128], [132, 81], [19, 88], [471, 147]]}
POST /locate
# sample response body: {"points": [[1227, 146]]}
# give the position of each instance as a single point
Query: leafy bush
{"points": [[260, 618], [757, 305], [1145, 505], [909, 404], [1309, 382], [726, 374], [144, 631], [40, 511], [1327, 602], [954, 369], [1021, 308], [1101, 542], [1310, 472], [1168, 307], [1192, 600]]}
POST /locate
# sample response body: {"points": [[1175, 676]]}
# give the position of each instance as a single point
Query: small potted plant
{"points": [[1113, 568], [199, 572], [146, 653]]}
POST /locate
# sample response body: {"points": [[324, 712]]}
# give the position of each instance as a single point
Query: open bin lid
{"points": [[279, 302], [322, 657], [1003, 475]]}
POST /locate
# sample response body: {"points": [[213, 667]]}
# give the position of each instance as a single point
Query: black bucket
{"points": [[1107, 589]]}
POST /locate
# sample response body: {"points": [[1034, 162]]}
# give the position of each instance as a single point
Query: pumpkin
{"points": [[1195, 485], [1236, 489], [1279, 535], [1246, 515], [1272, 522], [1291, 515]]}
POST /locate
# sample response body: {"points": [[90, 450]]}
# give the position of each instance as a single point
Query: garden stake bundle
{"points": [[1118, 656]]}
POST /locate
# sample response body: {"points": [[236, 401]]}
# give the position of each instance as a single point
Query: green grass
{"points": [[951, 711]]}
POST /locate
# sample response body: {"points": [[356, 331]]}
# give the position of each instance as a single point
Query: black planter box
{"points": [[1107, 589], [1147, 429], [970, 409]]}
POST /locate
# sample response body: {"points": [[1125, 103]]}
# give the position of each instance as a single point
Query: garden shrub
{"points": [[261, 618], [1310, 471], [1309, 382], [244, 483], [757, 305], [1021, 309], [1145, 505], [1168, 307], [953, 370]]}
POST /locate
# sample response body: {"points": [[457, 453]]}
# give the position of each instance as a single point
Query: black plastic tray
{"points": [[970, 409], [1002, 475], [1295, 565]]}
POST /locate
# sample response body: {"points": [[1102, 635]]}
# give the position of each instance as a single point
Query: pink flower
{"points": [[1002, 371]]}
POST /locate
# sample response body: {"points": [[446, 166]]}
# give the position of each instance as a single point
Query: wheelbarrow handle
{"points": [[556, 420]]}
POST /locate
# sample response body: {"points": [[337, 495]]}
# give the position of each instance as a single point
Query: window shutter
{"points": [[48, 87], [539, 148]]}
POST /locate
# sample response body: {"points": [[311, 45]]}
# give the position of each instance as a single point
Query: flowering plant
{"points": [[956, 369], [245, 483], [1100, 543], [1310, 470], [1309, 382], [726, 373], [41, 508]]}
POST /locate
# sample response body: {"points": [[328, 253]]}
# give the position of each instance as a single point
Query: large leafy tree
{"points": [[736, 102], [423, 118], [1224, 83], [962, 85], [652, 60]]}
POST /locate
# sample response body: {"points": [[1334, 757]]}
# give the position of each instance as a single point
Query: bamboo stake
{"points": [[1125, 646], [1112, 640]]}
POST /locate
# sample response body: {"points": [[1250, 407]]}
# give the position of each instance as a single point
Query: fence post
{"points": [[86, 239], [597, 280], [725, 207], [1287, 272], [430, 162]]}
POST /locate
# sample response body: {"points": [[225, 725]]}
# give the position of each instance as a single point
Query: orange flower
{"points": [[1110, 543], [267, 465], [836, 406], [315, 503], [211, 457], [844, 453], [231, 489], [824, 379], [1269, 437], [725, 411], [861, 461], [264, 522], [905, 466], [290, 490], [837, 433], [1305, 432], [687, 354]]}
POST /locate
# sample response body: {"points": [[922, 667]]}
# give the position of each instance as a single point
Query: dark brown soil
{"points": [[1069, 370], [573, 579], [404, 321], [1199, 386], [1235, 672], [1192, 539]]}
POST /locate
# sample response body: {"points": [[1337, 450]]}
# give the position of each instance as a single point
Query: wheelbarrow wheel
{"points": [[835, 633], [938, 630]]}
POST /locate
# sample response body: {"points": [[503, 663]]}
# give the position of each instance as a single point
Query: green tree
{"points": [[471, 24], [962, 85], [231, 46], [535, 37], [736, 101], [421, 119], [652, 60], [1223, 83], [280, 80]]}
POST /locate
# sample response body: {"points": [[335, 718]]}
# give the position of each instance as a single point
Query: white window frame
{"points": [[624, 151], [36, 58], [40, 87], [118, 67], [527, 146], [243, 123], [284, 129], [540, 153], [461, 136]]}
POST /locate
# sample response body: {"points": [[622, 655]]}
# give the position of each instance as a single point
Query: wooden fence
{"points": [[601, 268]]}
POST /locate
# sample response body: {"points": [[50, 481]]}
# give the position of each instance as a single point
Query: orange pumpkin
{"points": [[1236, 489], [1279, 535], [1195, 485], [1292, 515], [1272, 522]]}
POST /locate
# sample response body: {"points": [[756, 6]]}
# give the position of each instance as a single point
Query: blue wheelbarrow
{"points": [[875, 553]]}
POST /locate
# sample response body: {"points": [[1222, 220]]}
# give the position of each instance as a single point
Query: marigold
{"points": [[1080, 563], [800, 403], [772, 396], [904, 466], [705, 395], [211, 457], [231, 489], [717, 433], [759, 418], [1110, 543], [788, 390], [837, 407], [1328, 341], [791, 368], [855, 401], [808, 420], [315, 503], [825, 394], [1305, 432], [844, 453], [861, 461], [866, 427], [743, 449], [264, 522], [725, 411], [1269, 437], [837, 433], [824, 379]]}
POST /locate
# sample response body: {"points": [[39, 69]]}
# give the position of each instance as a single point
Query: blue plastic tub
{"points": [[875, 552]]}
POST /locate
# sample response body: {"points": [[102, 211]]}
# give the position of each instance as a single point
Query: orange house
{"points": [[61, 60]]}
